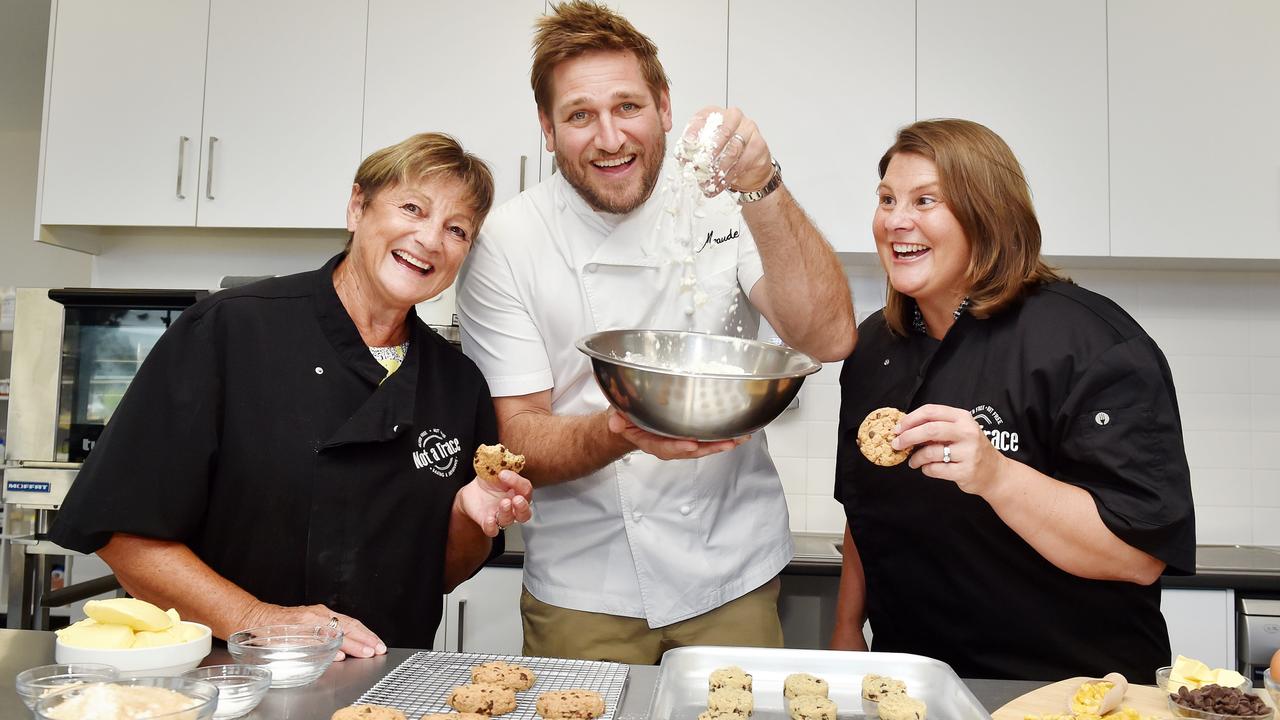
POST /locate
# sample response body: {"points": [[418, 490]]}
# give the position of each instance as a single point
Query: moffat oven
{"points": [[75, 352]]}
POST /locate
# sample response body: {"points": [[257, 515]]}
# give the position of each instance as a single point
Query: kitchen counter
{"points": [[1239, 567], [343, 682]]}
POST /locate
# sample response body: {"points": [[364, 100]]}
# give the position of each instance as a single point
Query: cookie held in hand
{"points": [[493, 459], [876, 433]]}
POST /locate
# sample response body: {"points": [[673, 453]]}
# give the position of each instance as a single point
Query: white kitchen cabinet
{"points": [[282, 112], [1035, 72], [459, 68], [828, 82], [482, 615], [123, 103], [1201, 625], [1194, 169], [216, 113]]}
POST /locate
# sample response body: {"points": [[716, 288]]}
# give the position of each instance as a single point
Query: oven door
{"points": [[1258, 624]]}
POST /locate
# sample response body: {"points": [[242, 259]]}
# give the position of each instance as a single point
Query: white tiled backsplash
{"points": [[1221, 333]]}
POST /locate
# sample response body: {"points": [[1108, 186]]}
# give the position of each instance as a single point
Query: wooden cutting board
{"points": [[1052, 699]]}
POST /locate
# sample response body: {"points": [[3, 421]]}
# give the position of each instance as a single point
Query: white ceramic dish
{"points": [[165, 660]]}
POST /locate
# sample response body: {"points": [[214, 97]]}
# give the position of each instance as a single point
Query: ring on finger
{"points": [[333, 623], [946, 453]]}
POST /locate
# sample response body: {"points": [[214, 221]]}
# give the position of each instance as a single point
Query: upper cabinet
{"points": [[460, 68], [141, 130], [828, 82], [1195, 169], [283, 95], [1035, 72], [124, 98]]}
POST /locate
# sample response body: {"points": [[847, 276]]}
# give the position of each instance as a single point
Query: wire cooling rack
{"points": [[421, 684]]}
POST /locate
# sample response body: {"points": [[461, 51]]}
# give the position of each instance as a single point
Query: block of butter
{"points": [[121, 623], [1193, 674]]}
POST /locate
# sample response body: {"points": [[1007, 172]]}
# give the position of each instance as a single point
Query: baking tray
{"points": [[421, 684], [681, 691]]}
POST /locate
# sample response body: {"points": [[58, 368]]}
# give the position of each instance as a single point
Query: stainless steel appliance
{"points": [[74, 353], [1258, 633]]}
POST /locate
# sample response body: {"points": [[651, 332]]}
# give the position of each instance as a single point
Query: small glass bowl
{"points": [[1180, 711], [1162, 680], [1272, 685], [37, 682], [205, 695], [240, 687], [295, 654]]}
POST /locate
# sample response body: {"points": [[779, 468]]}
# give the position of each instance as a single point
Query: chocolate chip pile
{"points": [[1220, 700]]}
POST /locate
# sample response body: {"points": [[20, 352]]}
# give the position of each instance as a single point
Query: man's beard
{"points": [[576, 176]]}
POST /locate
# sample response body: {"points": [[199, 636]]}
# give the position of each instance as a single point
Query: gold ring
{"points": [[333, 623]]}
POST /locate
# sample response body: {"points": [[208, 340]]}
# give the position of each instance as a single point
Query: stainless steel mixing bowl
{"points": [[674, 383]]}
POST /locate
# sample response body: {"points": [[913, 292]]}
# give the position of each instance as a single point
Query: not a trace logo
{"points": [[438, 452]]}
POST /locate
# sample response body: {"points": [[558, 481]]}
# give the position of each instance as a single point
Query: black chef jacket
{"points": [[1070, 385], [257, 432]]}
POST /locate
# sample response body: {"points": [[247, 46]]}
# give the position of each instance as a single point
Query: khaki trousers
{"points": [[552, 631]]}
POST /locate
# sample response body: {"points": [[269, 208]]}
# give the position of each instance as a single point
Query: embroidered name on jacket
{"points": [[1004, 440], [438, 452], [718, 239]]}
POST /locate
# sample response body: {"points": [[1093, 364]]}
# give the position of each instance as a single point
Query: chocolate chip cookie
{"points": [[367, 712], [483, 699], [493, 459], [570, 705], [876, 432], [503, 674]]}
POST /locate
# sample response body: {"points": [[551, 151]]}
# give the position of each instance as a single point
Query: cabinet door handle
{"points": [[208, 180], [524, 160], [182, 157], [462, 615]]}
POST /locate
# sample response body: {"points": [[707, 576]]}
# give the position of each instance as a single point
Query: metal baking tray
{"points": [[681, 691], [422, 683]]}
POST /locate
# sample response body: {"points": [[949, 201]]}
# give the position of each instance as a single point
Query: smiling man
{"points": [[640, 543]]}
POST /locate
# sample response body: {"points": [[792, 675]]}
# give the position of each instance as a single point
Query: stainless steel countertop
{"points": [[343, 682]]}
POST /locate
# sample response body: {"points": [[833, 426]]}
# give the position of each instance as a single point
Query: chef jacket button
{"points": [[591, 267], [395, 428], [319, 370], [689, 310], [685, 509], [637, 516], [626, 459], [886, 361], [1102, 418]]}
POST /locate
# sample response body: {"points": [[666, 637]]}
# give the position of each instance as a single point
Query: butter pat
{"points": [[90, 633], [1193, 674], [137, 614]]}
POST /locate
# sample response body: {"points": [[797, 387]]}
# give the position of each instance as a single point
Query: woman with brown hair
{"points": [[1047, 487]]}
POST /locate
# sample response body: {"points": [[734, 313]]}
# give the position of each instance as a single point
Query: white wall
{"points": [[1221, 334], [24, 35]]}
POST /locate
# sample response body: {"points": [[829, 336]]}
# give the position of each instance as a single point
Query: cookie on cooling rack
{"points": [[454, 716], [483, 699], [503, 674], [570, 705]]}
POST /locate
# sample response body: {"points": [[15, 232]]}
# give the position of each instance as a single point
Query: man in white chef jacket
{"points": [[638, 543]]}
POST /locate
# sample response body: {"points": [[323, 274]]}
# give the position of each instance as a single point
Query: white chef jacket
{"points": [[641, 537]]}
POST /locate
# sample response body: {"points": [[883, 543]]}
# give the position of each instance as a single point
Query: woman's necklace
{"points": [[917, 320]]}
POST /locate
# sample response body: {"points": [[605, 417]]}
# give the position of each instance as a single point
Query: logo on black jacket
{"points": [[438, 452], [1002, 439]]}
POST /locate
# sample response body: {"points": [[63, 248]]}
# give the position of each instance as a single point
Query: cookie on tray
{"points": [[811, 707], [901, 706], [798, 684], [876, 432], [483, 699], [734, 700], [490, 460], [730, 677], [570, 705], [454, 716], [367, 712], [503, 674], [876, 687], [720, 715]]}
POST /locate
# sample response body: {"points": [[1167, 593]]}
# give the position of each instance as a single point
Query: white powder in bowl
{"points": [[122, 702]]}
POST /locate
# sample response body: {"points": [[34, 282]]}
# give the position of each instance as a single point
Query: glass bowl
{"points": [[1162, 680], [240, 687], [1272, 685], [80, 701], [1179, 711], [45, 680], [695, 385], [295, 654]]}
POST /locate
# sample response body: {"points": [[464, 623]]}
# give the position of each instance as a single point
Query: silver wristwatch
{"points": [[754, 195]]}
